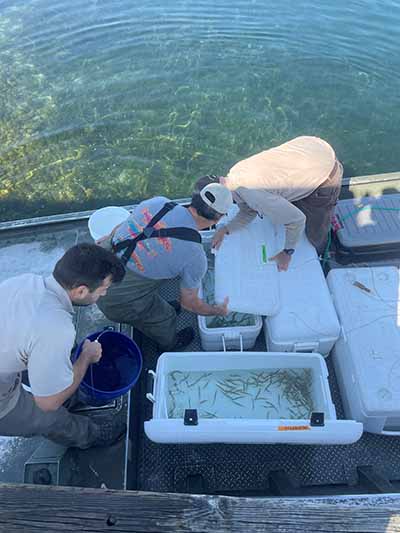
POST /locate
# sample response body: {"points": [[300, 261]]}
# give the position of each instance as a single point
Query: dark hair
{"points": [[89, 265], [199, 204]]}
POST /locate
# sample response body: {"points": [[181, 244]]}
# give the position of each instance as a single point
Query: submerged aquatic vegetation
{"points": [[125, 116], [77, 131], [253, 394]]}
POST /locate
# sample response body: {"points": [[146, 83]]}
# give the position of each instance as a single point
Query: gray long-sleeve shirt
{"points": [[267, 183]]}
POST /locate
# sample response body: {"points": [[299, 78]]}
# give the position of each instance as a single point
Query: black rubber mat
{"points": [[245, 469]]}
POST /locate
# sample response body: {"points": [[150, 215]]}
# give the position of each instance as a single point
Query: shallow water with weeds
{"points": [[249, 394], [111, 102]]}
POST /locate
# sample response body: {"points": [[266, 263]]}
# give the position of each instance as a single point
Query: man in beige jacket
{"points": [[296, 184]]}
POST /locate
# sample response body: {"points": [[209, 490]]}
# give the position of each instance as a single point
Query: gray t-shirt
{"points": [[37, 334], [164, 258]]}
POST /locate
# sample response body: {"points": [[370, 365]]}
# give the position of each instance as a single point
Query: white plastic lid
{"points": [[104, 220], [244, 271]]}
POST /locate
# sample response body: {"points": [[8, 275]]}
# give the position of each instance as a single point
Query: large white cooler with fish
{"points": [[236, 331], [307, 320], [367, 354], [210, 397], [243, 271]]}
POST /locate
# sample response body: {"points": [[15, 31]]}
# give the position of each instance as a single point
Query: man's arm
{"points": [[281, 211], [191, 302], [245, 215], [91, 353]]}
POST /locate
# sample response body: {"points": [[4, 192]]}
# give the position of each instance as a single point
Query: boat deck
{"points": [[370, 465]]}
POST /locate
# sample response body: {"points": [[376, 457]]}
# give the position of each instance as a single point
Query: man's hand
{"points": [[222, 309], [92, 351], [219, 237], [191, 302], [282, 260]]}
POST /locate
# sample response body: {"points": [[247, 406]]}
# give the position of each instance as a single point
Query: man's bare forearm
{"points": [[200, 307]]}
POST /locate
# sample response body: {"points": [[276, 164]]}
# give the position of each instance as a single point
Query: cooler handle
{"points": [[232, 338], [305, 346], [150, 395]]}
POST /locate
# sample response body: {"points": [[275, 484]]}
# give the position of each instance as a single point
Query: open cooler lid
{"points": [[367, 302], [244, 272]]}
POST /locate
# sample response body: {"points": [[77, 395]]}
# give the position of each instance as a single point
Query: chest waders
{"points": [[150, 232]]}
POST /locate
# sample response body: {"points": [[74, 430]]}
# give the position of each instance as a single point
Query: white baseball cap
{"points": [[217, 196]]}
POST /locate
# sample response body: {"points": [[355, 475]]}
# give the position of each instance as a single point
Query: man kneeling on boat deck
{"points": [[160, 240], [296, 184], [36, 316]]}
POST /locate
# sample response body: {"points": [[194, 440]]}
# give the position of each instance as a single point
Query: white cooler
{"points": [[367, 354], [188, 418], [307, 320], [240, 337], [228, 338]]}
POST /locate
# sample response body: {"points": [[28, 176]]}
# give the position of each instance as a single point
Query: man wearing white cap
{"points": [[160, 240]]}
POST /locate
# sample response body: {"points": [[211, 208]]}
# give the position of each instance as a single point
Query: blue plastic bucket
{"points": [[117, 371]]}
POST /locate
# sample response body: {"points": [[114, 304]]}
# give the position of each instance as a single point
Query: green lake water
{"points": [[108, 102]]}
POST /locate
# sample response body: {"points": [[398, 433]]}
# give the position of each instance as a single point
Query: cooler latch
{"points": [[317, 419], [191, 418]]}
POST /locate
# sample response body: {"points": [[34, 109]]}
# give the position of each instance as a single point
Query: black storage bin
{"points": [[367, 228]]}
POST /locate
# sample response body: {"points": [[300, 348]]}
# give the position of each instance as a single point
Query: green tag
{"points": [[264, 253]]}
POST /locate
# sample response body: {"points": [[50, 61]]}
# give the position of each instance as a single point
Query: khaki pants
{"points": [[319, 207], [136, 301], [61, 426]]}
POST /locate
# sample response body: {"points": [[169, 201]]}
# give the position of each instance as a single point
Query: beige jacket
{"points": [[267, 183]]}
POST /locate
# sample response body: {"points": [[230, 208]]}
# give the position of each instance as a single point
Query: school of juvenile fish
{"points": [[250, 394]]}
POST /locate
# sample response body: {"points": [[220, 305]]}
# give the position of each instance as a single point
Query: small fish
{"points": [[237, 403], [195, 382], [215, 396], [209, 414]]}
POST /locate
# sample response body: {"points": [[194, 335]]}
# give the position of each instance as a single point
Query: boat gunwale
{"points": [[84, 215]]}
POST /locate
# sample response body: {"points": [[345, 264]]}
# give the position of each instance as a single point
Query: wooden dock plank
{"points": [[57, 509]]}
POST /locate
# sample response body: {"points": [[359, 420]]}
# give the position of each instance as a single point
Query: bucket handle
{"points": [[105, 329], [150, 395]]}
